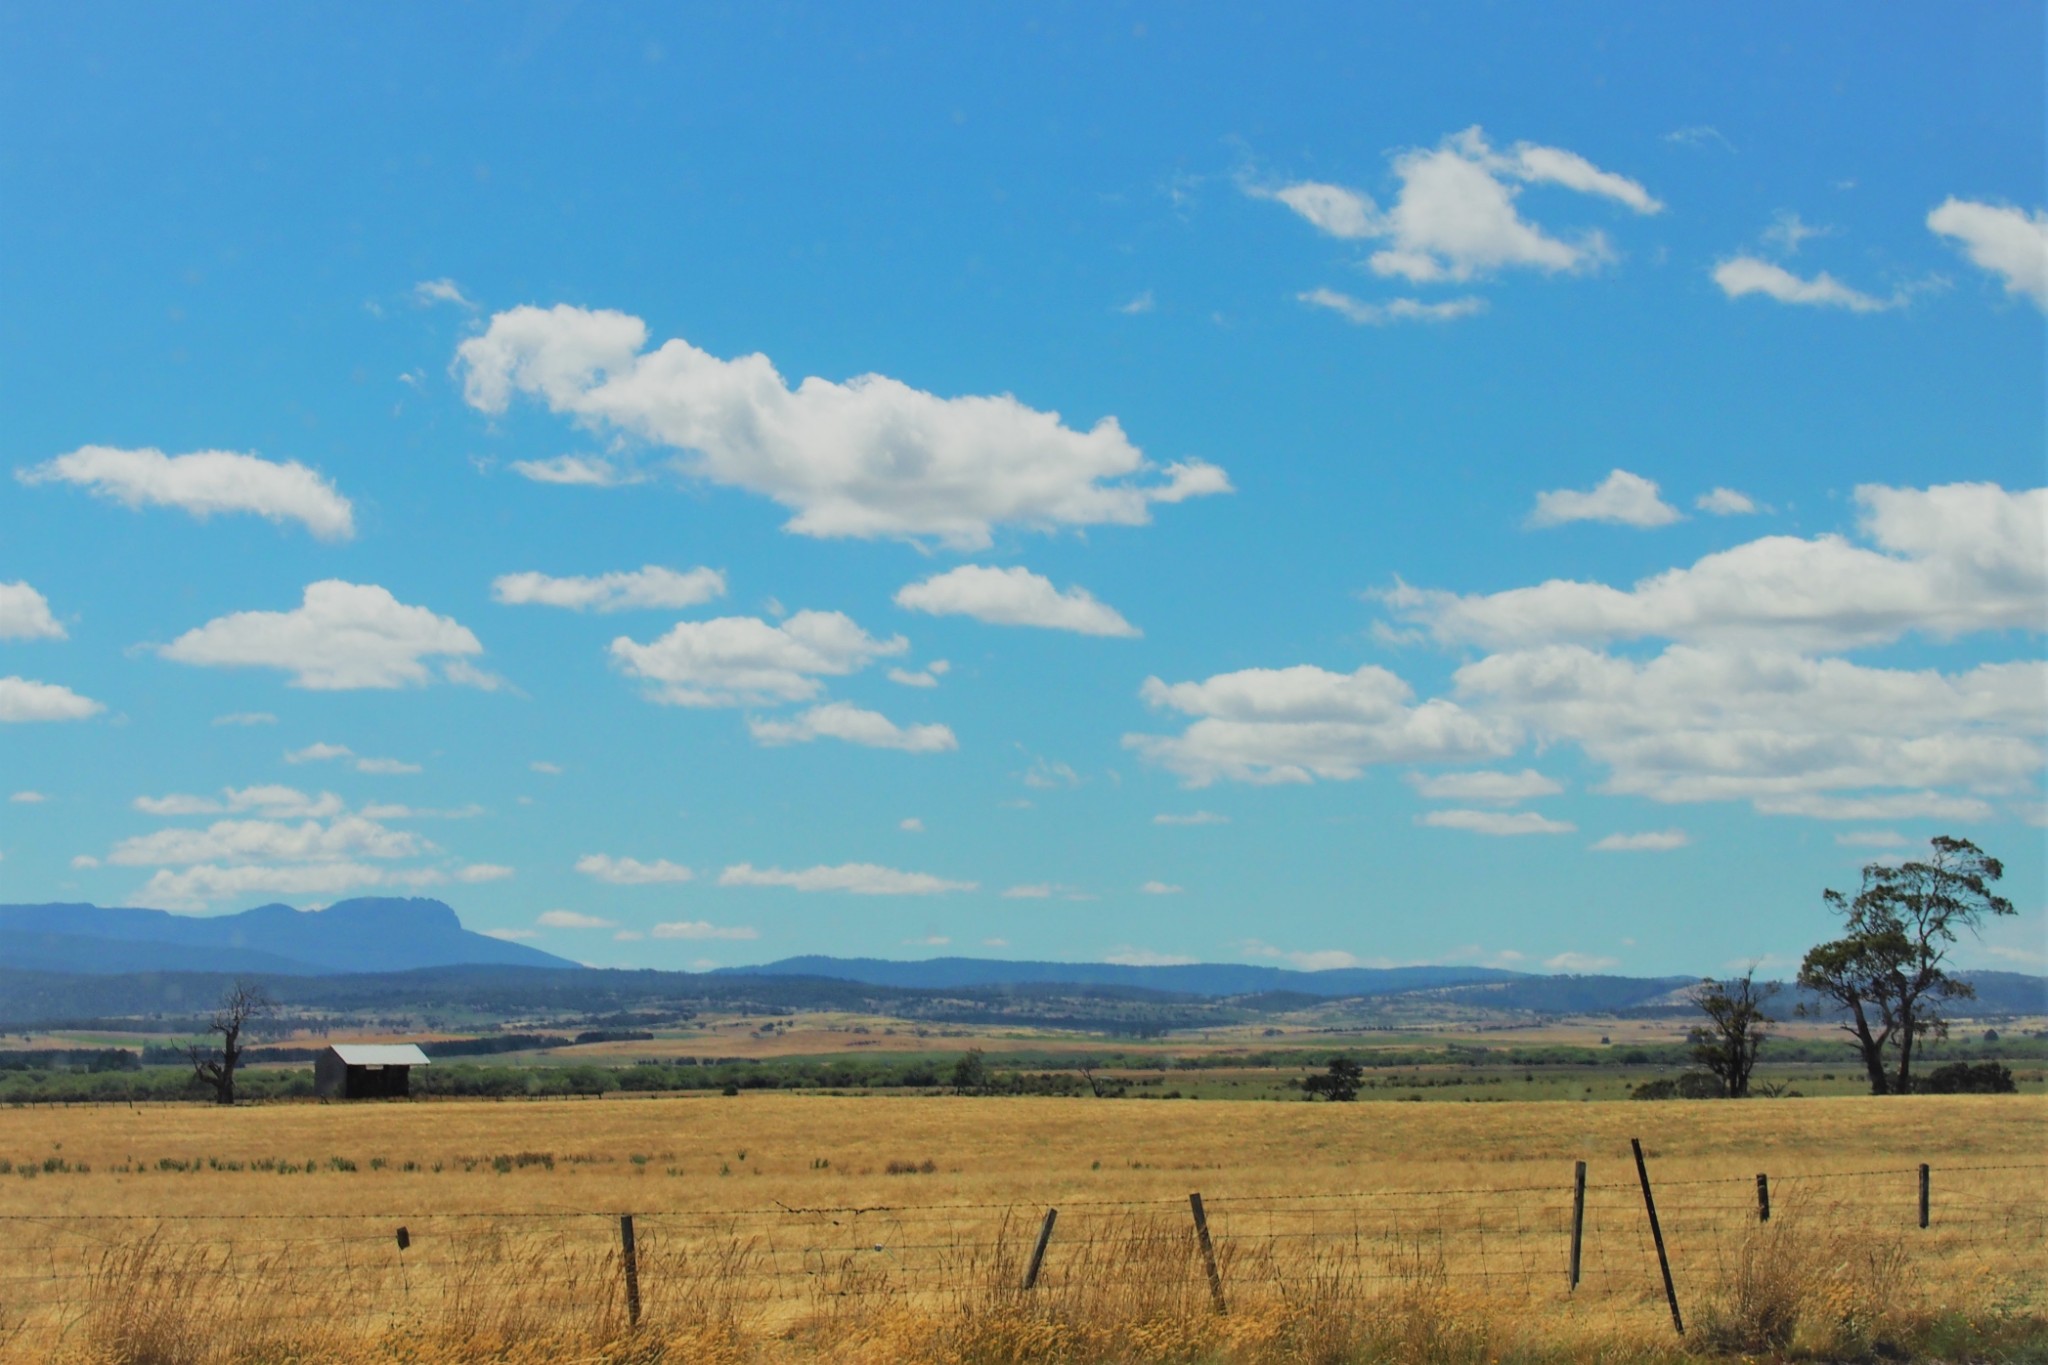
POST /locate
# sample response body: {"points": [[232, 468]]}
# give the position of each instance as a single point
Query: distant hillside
{"points": [[1575, 994], [168, 1001], [1200, 979], [1093, 997], [1264, 989], [368, 935]]}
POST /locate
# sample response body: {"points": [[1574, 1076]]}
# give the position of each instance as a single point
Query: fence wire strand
{"points": [[1509, 1240]]}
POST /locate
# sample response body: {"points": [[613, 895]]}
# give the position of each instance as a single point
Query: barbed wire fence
{"points": [[1527, 1246]]}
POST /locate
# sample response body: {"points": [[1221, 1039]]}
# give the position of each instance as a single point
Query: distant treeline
{"points": [[75, 1059], [99, 1075]]}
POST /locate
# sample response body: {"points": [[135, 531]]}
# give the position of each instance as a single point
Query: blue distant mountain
{"points": [[1206, 979], [377, 934]]}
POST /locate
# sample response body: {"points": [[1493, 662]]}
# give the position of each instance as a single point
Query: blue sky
{"points": [[1071, 482]]}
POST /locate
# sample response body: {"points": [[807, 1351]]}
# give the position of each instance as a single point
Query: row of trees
{"points": [[1887, 976]]}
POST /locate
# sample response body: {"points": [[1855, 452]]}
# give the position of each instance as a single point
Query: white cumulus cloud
{"points": [[928, 676], [1495, 822], [1725, 502], [342, 636], [443, 290], [247, 841], [1504, 788], [1334, 209], [870, 457], [1309, 960], [631, 871], [573, 919], [1456, 214], [204, 483], [649, 587], [2009, 242], [1622, 498], [271, 801], [197, 887], [1742, 275], [1012, 597], [845, 721], [1146, 957], [860, 879], [585, 471], [1944, 562], [1266, 725], [24, 701], [745, 661], [1196, 817], [25, 614], [321, 752], [1909, 805], [1368, 314], [1788, 733], [702, 929], [1650, 841]]}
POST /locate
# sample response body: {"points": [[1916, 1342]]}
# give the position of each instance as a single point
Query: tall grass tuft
{"points": [[1811, 1280]]}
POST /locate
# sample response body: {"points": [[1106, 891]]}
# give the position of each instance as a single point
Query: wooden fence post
{"points": [[630, 1256], [1578, 1218], [1208, 1252], [1038, 1251], [1763, 1198], [1657, 1236], [1923, 1194]]}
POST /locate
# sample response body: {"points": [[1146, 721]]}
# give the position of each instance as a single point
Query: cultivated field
{"points": [[780, 1227]]}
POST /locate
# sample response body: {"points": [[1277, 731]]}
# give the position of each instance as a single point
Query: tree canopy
{"points": [[1340, 1082], [1888, 972]]}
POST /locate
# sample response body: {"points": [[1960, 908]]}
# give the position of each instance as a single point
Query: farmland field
{"points": [[783, 1227]]}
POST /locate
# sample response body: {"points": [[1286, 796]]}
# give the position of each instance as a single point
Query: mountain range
{"points": [[380, 934], [392, 950], [1194, 978]]}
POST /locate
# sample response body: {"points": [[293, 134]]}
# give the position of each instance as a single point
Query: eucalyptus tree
{"points": [[1888, 973]]}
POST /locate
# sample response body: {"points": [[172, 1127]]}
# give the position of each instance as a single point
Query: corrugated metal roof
{"points": [[380, 1054]]}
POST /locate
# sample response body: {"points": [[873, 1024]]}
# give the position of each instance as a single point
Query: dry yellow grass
{"points": [[770, 1228]]}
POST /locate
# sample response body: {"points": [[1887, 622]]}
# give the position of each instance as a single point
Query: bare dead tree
{"points": [[1728, 1042], [240, 1005]]}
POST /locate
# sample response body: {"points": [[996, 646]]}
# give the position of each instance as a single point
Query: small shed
{"points": [[366, 1071]]}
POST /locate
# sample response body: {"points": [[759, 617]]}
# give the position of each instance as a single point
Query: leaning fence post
{"points": [[1208, 1252], [404, 1281], [1038, 1251], [1763, 1198], [1578, 1217], [1923, 1194], [1657, 1236], [630, 1255]]}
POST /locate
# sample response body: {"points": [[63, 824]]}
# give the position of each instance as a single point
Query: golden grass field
{"points": [[770, 1227]]}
